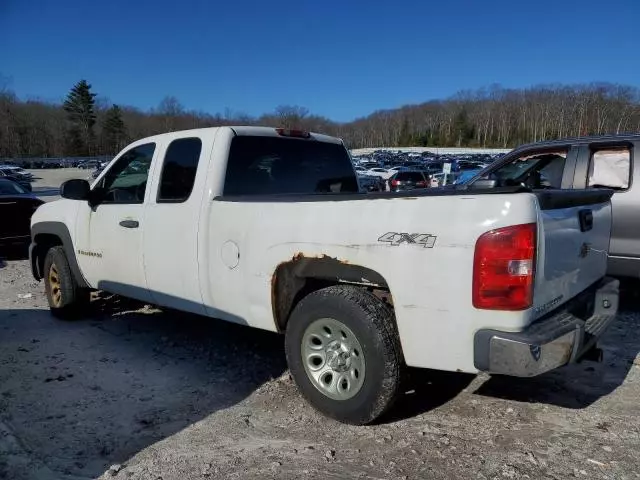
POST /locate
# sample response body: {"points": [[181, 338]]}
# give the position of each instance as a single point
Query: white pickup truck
{"points": [[266, 227]]}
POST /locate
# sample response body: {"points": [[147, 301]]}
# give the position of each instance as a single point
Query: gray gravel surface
{"points": [[134, 392]]}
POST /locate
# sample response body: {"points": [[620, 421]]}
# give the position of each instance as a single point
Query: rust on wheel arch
{"points": [[304, 273]]}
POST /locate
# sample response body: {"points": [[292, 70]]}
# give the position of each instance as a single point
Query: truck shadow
{"points": [[424, 390], [580, 385], [83, 395]]}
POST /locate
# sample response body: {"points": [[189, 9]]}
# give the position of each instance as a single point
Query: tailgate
{"points": [[574, 229]]}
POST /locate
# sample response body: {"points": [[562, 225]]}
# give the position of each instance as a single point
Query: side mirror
{"points": [[483, 183], [76, 189]]}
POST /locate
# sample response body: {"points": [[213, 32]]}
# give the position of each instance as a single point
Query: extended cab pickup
{"points": [[267, 228]]}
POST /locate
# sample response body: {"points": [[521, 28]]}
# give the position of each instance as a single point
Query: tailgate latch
{"points": [[586, 220]]}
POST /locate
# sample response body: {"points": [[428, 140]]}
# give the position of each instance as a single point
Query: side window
{"points": [[179, 170], [610, 167], [126, 180], [533, 170]]}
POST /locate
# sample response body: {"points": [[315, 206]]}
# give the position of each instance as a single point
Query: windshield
{"points": [[11, 188]]}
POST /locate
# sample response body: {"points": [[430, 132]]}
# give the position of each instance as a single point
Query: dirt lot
{"points": [[172, 396], [163, 395]]}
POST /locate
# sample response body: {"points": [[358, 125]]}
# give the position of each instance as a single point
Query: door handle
{"points": [[129, 223]]}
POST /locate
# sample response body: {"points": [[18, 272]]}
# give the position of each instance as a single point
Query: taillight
{"points": [[421, 184], [395, 183], [286, 132], [503, 268]]}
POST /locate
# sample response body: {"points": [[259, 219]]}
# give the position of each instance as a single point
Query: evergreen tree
{"points": [[463, 129], [114, 131], [79, 107], [405, 139]]}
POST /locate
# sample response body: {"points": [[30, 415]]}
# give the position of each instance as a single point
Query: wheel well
{"points": [[297, 278], [43, 242]]}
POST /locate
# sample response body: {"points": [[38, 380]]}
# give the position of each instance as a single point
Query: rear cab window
{"points": [[610, 167], [273, 165]]}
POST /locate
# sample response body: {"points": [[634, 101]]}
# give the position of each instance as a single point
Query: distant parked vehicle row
{"points": [[385, 165], [61, 162]]}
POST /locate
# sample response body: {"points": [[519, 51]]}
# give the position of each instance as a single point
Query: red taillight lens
{"points": [[503, 268], [285, 132], [395, 183]]}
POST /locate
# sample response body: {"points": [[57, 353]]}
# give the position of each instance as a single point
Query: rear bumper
{"points": [[557, 339], [623, 266]]}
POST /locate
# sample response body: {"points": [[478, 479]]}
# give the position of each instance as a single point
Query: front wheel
{"points": [[66, 299], [343, 352]]}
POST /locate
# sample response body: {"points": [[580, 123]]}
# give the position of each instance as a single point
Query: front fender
{"points": [[44, 235]]}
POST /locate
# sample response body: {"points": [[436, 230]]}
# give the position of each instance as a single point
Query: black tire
{"points": [[373, 324], [66, 299]]}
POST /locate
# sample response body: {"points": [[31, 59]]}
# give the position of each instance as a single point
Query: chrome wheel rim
{"points": [[333, 358], [54, 286]]}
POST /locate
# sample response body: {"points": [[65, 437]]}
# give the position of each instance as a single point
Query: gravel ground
{"points": [[135, 392], [163, 395]]}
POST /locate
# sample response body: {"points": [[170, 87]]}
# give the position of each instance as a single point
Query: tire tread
{"points": [[382, 319], [74, 297]]}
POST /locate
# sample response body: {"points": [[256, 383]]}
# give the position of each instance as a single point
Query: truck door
{"points": [[609, 165], [109, 232], [172, 219]]}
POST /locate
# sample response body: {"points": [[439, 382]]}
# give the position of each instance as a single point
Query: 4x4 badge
{"points": [[420, 239]]}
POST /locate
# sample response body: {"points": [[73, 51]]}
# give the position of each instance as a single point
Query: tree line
{"points": [[85, 124]]}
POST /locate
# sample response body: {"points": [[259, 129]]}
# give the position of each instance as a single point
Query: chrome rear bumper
{"points": [[557, 339]]}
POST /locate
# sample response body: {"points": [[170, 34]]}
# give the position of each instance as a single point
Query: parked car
{"points": [[16, 172], [466, 175], [378, 172], [89, 164], [579, 163], [371, 183], [268, 228], [393, 170], [8, 175], [408, 180], [16, 207]]}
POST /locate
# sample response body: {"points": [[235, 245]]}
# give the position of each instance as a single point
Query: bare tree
{"points": [[291, 116], [489, 117]]}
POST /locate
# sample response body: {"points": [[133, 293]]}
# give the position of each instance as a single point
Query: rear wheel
{"points": [[66, 299], [343, 352]]}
